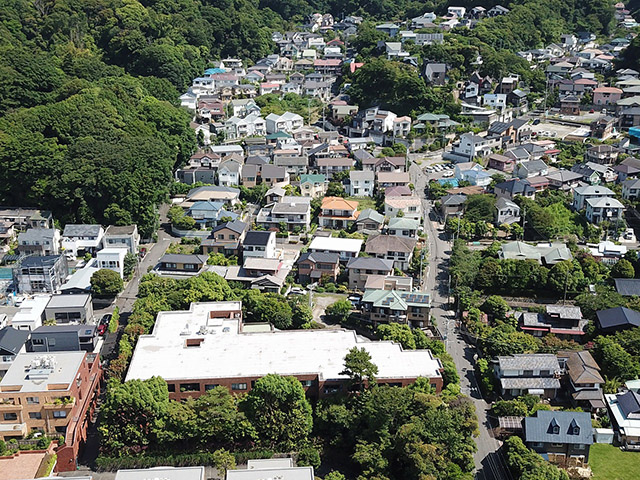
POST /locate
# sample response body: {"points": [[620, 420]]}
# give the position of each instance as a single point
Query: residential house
{"points": [[274, 195], [244, 106], [313, 185], [532, 168], [39, 241], [259, 244], [361, 183], [338, 213], [250, 175], [604, 209], [362, 267], [510, 189], [582, 194], [627, 287], [603, 128], [226, 238], [313, 267], [294, 212], [563, 438], [126, 236], [603, 154], [606, 95], [209, 214], [212, 193], [112, 259], [507, 212], [63, 338], [24, 218], [287, 122], [391, 306], [38, 274], [584, 379], [410, 206], [83, 238], [274, 176], [532, 373], [393, 179], [570, 105], [389, 282], [76, 308], [369, 221], [330, 166], [178, 263], [624, 410], [55, 394], [436, 73], [563, 321], [543, 253], [347, 248], [31, 315], [565, 180], [617, 319], [502, 163], [631, 189], [390, 29], [471, 146], [390, 247], [452, 204], [295, 166], [628, 168], [12, 342], [403, 227], [230, 173]]}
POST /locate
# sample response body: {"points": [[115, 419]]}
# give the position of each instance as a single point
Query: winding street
{"points": [[489, 460]]}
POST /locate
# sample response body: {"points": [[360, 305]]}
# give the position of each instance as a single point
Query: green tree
{"points": [[278, 409], [133, 414], [496, 306], [223, 460], [359, 367], [130, 262], [397, 332], [106, 282], [623, 269], [339, 311], [614, 360]]}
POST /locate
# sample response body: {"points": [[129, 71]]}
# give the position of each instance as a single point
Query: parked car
{"points": [[536, 121], [297, 291], [447, 174], [102, 329]]}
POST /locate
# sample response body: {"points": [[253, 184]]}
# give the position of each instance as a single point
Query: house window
{"points": [[35, 415], [37, 341], [59, 414], [306, 383], [33, 400], [210, 386], [171, 387], [238, 386], [556, 445], [10, 416], [189, 387]]}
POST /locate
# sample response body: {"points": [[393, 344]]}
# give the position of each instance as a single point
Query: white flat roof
{"points": [[35, 371], [162, 473], [289, 473], [225, 352], [31, 310], [335, 244]]}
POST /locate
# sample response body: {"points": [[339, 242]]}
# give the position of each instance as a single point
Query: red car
{"points": [[102, 329]]}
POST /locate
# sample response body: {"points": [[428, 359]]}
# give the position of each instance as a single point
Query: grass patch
{"points": [[363, 202], [611, 463]]}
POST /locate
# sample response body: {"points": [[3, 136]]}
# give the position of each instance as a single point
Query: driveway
{"points": [[320, 303]]}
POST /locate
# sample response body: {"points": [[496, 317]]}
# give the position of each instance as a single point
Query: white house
{"points": [[287, 122], [251, 125], [495, 100], [112, 259], [229, 173], [260, 244], [582, 194], [456, 11], [603, 209], [410, 206], [472, 146], [361, 183], [81, 237]]}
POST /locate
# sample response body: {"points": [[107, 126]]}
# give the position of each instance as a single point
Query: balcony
{"points": [[63, 403], [14, 429]]}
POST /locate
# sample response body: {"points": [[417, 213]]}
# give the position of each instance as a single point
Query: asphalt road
{"points": [[489, 460]]}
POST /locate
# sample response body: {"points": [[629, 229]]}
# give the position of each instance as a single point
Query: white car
{"points": [[447, 174], [297, 291]]}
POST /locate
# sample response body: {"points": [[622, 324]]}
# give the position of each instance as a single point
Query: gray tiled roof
{"points": [[529, 361], [370, 263], [533, 383], [74, 230], [573, 428]]}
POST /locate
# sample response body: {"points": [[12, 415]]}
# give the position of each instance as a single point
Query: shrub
{"points": [[309, 456], [114, 322], [106, 282]]}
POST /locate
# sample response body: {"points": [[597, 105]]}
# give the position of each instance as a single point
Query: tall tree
{"points": [[359, 367]]}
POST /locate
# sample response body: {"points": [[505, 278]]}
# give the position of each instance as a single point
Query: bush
{"points": [[339, 311], [309, 456], [115, 320]]}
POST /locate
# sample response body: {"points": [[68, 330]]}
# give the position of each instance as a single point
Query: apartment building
{"points": [[55, 393], [205, 346]]}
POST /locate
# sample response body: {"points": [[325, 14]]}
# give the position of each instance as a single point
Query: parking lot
{"points": [[558, 131], [440, 170]]}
